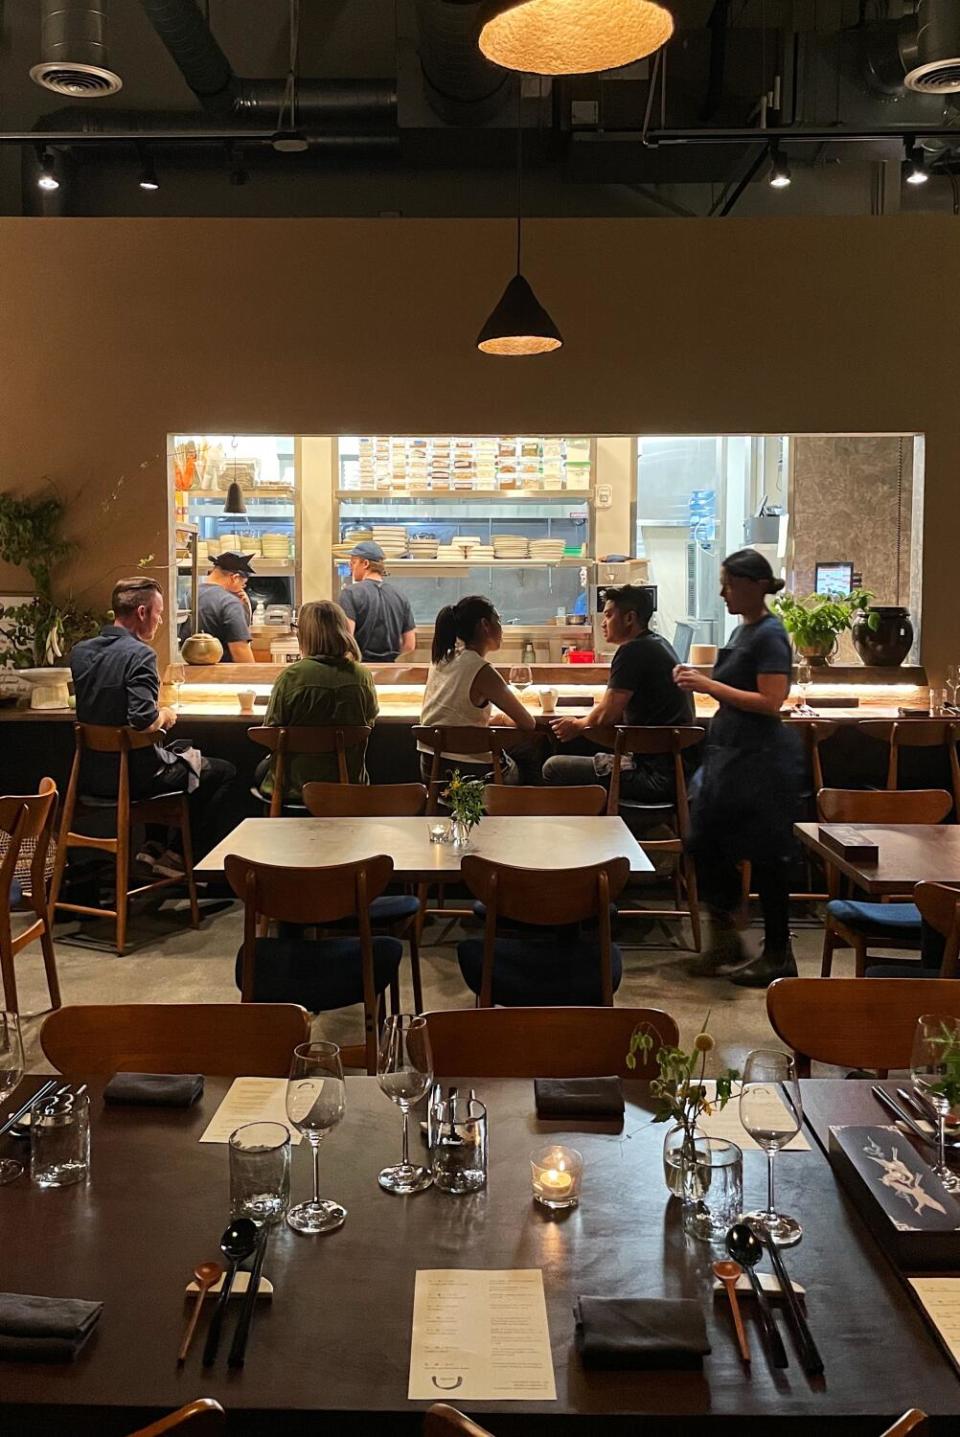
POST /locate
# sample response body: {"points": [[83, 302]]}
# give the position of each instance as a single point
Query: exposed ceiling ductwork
{"points": [[73, 47], [463, 87], [933, 68]]}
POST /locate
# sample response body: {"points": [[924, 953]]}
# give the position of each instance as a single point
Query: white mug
{"points": [[548, 700]]}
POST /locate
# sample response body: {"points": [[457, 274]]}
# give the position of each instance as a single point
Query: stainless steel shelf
{"points": [[469, 496]]}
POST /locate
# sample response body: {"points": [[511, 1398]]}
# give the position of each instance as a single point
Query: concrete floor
{"points": [[177, 965]]}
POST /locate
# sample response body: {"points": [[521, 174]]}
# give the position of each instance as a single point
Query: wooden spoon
{"points": [[205, 1274], [729, 1273]]}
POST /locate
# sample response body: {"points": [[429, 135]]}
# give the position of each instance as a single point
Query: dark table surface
{"points": [[330, 1353], [909, 853]]}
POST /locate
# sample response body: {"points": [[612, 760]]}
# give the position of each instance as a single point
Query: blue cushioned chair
{"points": [[576, 964], [938, 910], [323, 973]]}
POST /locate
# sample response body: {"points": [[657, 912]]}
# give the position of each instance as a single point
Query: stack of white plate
{"points": [[392, 540], [356, 536], [342, 551], [482, 554], [423, 548], [446, 553], [510, 546], [549, 550], [276, 548]]}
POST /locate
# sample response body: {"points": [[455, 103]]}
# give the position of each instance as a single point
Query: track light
{"points": [[48, 175], [779, 168], [148, 175], [916, 165]]}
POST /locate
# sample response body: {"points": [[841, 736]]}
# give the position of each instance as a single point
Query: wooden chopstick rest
{"points": [[240, 1284], [768, 1281]]}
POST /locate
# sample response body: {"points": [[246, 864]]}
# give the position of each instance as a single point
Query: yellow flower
{"points": [[707, 1110], [703, 1043]]}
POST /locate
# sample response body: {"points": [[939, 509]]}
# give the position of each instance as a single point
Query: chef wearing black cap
{"points": [[224, 611]]}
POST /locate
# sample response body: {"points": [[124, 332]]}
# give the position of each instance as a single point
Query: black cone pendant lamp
{"points": [[571, 37], [519, 324]]}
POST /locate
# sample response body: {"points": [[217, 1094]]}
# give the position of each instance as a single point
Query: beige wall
{"points": [[113, 333]]}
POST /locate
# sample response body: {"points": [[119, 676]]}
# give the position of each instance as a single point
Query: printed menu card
{"points": [[480, 1334], [940, 1297], [251, 1100], [725, 1122]]}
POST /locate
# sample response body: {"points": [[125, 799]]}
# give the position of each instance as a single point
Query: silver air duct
{"points": [[935, 70], [74, 50]]}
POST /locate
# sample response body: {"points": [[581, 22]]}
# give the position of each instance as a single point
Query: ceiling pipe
{"points": [[73, 49], [462, 85], [76, 125]]}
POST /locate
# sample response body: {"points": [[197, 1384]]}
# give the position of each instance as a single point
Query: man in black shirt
{"points": [[223, 609], [640, 692], [378, 615]]}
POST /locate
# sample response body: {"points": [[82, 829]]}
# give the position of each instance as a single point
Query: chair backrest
{"points": [[461, 738], [855, 1022], [365, 800], [509, 801], [38, 812], [916, 733], [13, 821], [813, 735], [939, 906], [221, 1039], [544, 1042], [103, 738], [442, 1420], [649, 740], [322, 894], [307, 738], [202, 1418], [549, 897], [864, 805], [912, 1421]]}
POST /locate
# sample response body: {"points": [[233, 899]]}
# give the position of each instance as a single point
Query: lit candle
{"points": [[439, 832], [556, 1173]]}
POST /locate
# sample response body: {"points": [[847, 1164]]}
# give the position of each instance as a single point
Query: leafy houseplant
{"points": [[464, 797], [816, 621], [41, 629]]}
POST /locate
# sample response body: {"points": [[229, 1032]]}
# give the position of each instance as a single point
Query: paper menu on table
{"points": [[250, 1100], [940, 1298], [480, 1334], [725, 1122]]}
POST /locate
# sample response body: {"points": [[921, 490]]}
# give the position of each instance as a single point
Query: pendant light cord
{"points": [[519, 178]]}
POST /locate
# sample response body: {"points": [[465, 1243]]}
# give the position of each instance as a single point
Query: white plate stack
{"points": [[549, 551], [276, 548], [423, 549], [510, 546], [392, 540]]}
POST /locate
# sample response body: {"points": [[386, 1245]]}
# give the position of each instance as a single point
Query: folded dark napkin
{"points": [[45, 1329], [640, 1332], [160, 1090], [578, 1097]]}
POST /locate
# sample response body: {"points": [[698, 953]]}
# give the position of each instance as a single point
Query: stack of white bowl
{"points": [[276, 548]]}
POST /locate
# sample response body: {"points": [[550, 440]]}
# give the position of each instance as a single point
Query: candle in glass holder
{"points": [[439, 832], [556, 1174]]}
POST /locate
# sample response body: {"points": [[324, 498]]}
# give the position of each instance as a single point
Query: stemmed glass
{"points": [[405, 1072], [935, 1070], [771, 1110], [521, 677], [316, 1099], [804, 678], [178, 677], [952, 679], [11, 1071]]}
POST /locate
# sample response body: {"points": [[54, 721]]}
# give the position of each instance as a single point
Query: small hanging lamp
{"points": [[519, 324], [234, 502], [571, 37]]}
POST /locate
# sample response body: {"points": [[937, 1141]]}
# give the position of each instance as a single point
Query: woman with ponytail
{"points": [[744, 799], [462, 686]]}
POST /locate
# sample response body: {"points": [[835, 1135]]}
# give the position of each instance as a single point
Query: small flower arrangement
{"points": [[464, 797], [680, 1090]]}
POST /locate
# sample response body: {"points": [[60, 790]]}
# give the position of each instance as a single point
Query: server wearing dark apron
{"points": [[744, 798]]}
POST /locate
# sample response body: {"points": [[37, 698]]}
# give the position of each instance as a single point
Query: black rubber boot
{"points": [[763, 970], [724, 950]]}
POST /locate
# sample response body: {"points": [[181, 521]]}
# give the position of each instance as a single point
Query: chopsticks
{"points": [[810, 1359], [42, 1092], [894, 1108], [238, 1347]]}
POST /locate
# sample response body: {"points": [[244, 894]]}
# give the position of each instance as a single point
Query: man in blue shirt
{"points": [[378, 615]]}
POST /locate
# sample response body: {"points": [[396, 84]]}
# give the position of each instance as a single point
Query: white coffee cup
{"points": [[246, 699], [548, 701]]}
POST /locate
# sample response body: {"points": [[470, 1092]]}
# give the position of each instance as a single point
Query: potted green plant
{"points": [[816, 621], [464, 798], [42, 629]]}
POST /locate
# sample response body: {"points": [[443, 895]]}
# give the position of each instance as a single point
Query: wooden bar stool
{"points": [[26, 823], [466, 740], [166, 808], [917, 733], [287, 743]]}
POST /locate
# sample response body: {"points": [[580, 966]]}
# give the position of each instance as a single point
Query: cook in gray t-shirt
{"points": [[221, 614], [382, 616]]}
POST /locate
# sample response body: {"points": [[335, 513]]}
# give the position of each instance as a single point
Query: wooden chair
{"points": [[202, 1418], [912, 1421], [441, 1420], [584, 801], [26, 822], [286, 743], [220, 1039], [322, 973], [397, 914], [852, 1024], [662, 741], [169, 809], [466, 740], [544, 1042], [917, 733], [544, 898], [850, 923]]}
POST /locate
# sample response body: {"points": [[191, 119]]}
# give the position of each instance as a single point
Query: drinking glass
{"points": [[316, 1099], [521, 677], [935, 1070], [11, 1071], [771, 1110], [260, 1171], [178, 677], [405, 1072], [712, 1189], [804, 679], [60, 1140]]}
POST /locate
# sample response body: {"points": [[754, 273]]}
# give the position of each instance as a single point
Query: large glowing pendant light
{"points": [[571, 37]]}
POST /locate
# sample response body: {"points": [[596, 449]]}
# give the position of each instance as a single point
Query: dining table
{"points": [[525, 842], [329, 1351], [908, 853]]}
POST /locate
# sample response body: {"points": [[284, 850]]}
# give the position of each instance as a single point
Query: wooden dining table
{"points": [[908, 853], [524, 842], [329, 1352]]}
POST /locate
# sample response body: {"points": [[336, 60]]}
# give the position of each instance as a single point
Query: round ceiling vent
{"points": [[938, 77], [76, 81]]}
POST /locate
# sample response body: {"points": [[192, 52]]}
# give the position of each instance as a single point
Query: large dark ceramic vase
{"points": [[888, 644]]}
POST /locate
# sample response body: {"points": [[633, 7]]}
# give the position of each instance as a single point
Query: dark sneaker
{"points": [[726, 951], [762, 971]]}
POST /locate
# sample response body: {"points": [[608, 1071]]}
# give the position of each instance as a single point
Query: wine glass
{"points": [[935, 1070], [804, 679], [952, 680], [771, 1110], [178, 676], [11, 1071], [405, 1072], [521, 677], [316, 1099]]}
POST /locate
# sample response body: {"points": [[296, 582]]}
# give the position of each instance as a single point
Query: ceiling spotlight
{"points": [[48, 175], [916, 165], [148, 175], [779, 169], [571, 37]]}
